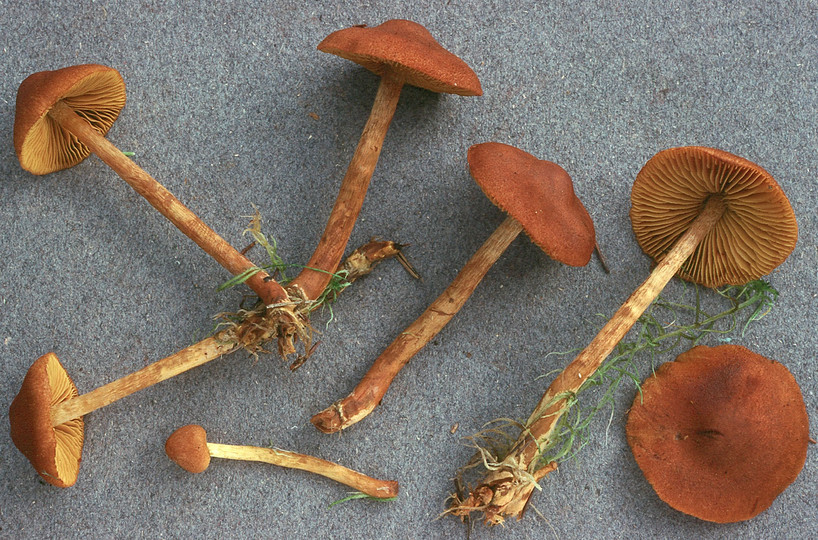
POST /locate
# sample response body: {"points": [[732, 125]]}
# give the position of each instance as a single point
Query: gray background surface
{"points": [[230, 105]]}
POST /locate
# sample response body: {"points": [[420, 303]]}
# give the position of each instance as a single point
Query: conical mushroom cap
{"points": [[408, 51], [187, 447], [720, 432], [55, 452], [540, 195], [96, 93], [754, 235]]}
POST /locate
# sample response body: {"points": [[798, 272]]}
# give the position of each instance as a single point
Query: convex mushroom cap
{"points": [[538, 194], [720, 432], [187, 447], [407, 51], [55, 452], [94, 92], [754, 235]]}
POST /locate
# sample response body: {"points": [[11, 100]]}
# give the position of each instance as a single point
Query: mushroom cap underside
{"points": [[756, 233], [54, 451], [539, 195], [408, 51], [94, 92], [187, 447], [720, 432]]}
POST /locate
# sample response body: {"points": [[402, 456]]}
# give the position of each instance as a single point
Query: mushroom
{"points": [[720, 432], [400, 52], [719, 219], [539, 198], [62, 117], [188, 447], [54, 451], [46, 415]]}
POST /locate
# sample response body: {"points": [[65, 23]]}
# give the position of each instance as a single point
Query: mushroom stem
{"points": [[259, 328], [382, 489], [169, 206], [505, 489], [542, 421], [318, 272], [179, 362], [371, 389]]}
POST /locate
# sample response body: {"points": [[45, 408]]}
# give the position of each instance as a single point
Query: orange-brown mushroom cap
{"points": [[187, 446], [96, 93], [754, 235], [539, 195], [55, 452], [409, 52], [720, 432]]}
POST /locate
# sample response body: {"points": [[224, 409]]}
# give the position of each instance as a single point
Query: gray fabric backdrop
{"points": [[231, 106]]}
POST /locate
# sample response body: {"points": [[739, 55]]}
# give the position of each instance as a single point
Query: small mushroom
{"points": [[718, 218], [720, 432], [62, 117], [188, 447], [400, 52], [539, 198]]}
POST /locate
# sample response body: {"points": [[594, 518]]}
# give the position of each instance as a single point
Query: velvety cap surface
{"points": [[187, 446], [55, 452], [720, 432], [96, 93], [540, 195], [754, 235], [409, 51]]}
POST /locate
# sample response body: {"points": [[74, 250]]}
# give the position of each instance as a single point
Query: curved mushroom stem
{"points": [[369, 392], [313, 279], [504, 491], [382, 489], [169, 206]]}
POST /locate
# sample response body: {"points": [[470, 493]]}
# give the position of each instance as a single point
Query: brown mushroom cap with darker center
{"points": [[540, 195], [720, 432], [94, 92], [408, 52], [55, 452], [754, 235]]}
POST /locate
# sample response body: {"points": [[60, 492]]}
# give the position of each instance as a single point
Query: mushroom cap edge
{"points": [[54, 452]]}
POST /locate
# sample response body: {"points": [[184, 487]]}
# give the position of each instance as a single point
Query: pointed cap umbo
{"points": [[539, 195], [96, 93], [754, 235], [187, 447], [54, 451], [406, 50], [720, 432]]}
